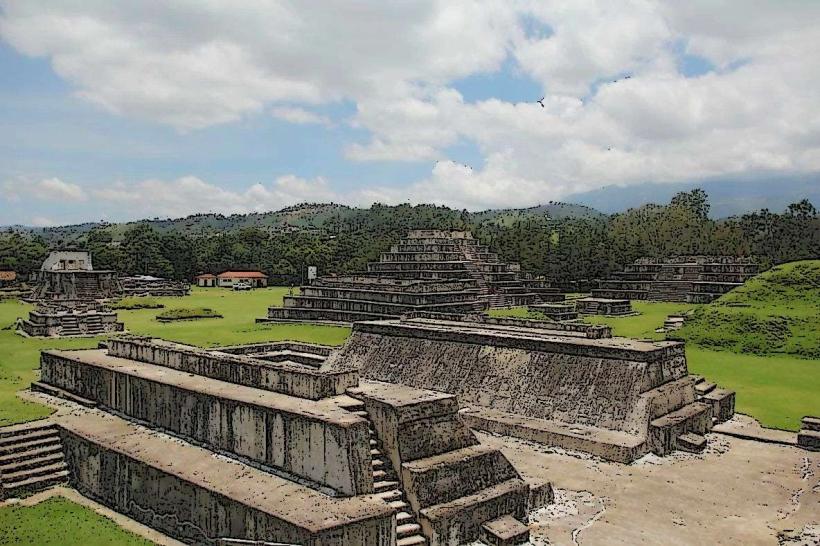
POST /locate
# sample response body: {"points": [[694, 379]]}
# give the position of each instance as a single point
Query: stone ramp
{"points": [[452, 483], [194, 495], [573, 389]]}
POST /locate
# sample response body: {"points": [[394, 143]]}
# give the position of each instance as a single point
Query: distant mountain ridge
{"points": [[728, 196], [308, 216]]}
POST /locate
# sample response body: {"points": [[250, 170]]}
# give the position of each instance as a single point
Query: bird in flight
{"points": [[541, 102]]}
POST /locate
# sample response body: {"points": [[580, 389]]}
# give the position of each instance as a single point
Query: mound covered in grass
{"points": [[185, 313], [776, 312], [137, 302]]}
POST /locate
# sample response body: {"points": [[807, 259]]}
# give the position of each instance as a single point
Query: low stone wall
{"points": [[187, 493], [316, 441], [294, 380]]}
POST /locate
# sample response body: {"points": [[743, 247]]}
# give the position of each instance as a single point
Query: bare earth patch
{"points": [[736, 492]]}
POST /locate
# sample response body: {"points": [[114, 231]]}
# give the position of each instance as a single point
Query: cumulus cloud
{"points": [[49, 189], [299, 116], [189, 195], [42, 221], [617, 109]]}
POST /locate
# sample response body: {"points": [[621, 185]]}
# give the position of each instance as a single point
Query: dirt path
{"points": [[736, 492]]}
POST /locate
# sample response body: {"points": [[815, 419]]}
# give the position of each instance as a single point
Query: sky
{"points": [[124, 110]]}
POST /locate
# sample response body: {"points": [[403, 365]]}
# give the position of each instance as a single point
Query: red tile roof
{"points": [[7, 275], [242, 275], [205, 276]]}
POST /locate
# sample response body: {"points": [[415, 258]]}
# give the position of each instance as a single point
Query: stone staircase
{"points": [[70, 326], [94, 325], [31, 459], [87, 287], [387, 486]]}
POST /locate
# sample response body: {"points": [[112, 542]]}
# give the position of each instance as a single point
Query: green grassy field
{"points": [[19, 356], [59, 522]]}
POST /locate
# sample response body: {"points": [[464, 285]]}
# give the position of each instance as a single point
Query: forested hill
{"points": [[556, 241], [305, 217]]}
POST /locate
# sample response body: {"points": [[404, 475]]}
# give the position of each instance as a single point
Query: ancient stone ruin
{"points": [[564, 384], [430, 270], [70, 297], [69, 276], [603, 306], [265, 442], [146, 285], [55, 320], [693, 279]]}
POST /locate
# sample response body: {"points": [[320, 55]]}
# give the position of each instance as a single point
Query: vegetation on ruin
{"points": [[19, 356], [187, 313], [137, 302], [561, 242], [777, 312], [57, 522]]}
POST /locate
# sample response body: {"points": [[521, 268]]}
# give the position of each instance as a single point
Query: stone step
{"points": [[25, 446], [373, 443], [392, 495], [504, 531], [385, 485], [361, 413], [469, 512], [24, 428], [377, 463], [704, 387], [399, 504], [810, 423], [375, 453], [32, 462], [27, 436], [809, 439], [691, 442], [34, 484], [28, 473], [379, 474], [407, 529], [51, 390], [31, 453], [415, 540], [454, 474], [404, 517]]}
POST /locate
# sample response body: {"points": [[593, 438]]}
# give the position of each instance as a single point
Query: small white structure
{"points": [[68, 260]]}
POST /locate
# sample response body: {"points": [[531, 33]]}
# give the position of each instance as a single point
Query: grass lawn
{"points": [[59, 522], [19, 356]]}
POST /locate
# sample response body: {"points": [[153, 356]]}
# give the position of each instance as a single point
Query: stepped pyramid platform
{"points": [[692, 279], [76, 285], [86, 319], [69, 296], [433, 271], [262, 442], [565, 384]]}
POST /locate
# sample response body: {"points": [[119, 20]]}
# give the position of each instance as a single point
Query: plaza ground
{"points": [[627, 504]]}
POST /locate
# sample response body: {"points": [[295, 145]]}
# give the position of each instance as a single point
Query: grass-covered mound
{"points": [[187, 313], [777, 312], [137, 302]]}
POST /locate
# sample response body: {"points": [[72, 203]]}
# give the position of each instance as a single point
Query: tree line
{"points": [[563, 250]]}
